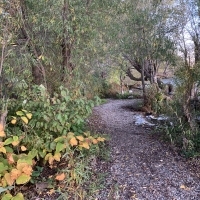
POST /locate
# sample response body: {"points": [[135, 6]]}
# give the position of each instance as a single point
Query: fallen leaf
{"points": [[52, 191], [60, 177]]}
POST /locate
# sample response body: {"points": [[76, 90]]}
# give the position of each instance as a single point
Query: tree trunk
{"points": [[66, 46]]}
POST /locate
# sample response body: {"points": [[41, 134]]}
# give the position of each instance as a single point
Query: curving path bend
{"points": [[141, 166]]}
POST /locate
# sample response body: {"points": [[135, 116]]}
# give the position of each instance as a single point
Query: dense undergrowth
{"points": [[44, 130]]}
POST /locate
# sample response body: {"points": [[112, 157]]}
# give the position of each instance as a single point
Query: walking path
{"points": [[141, 167]]}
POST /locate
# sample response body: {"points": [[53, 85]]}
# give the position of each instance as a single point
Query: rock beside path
{"points": [[141, 166]]}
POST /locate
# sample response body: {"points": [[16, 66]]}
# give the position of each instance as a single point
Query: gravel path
{"points": [[141, 166]]}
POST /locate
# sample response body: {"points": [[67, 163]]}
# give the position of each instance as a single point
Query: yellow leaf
{"points": [[52, 191], [23, 148], [81, 138], [94, 141], [13, 121], [21, 165], [15, 143], [8, 179], [70, 134], [60, 177], [85, 145], [73, 141], [51, 159], [3, 150], [1, 127], [48, 156], [57, 156], [25, 120], [100, 139], [182, 186], [14, 174], [2, 134], [29, 115]]}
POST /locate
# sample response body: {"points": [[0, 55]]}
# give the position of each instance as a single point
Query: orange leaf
{"points": [[94, 141], [23, 148], [81, 138], [8, 179], [15, 143], [27, 170], [2, 133], [14, 174], [73, 141], [13, 121], [85, 145], [60, 177], [10, 158]]}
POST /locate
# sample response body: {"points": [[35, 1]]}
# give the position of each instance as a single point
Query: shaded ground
{"points": [[141, 167]]}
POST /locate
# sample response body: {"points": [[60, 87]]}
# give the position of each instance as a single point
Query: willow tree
{"points": [[144, 39]]}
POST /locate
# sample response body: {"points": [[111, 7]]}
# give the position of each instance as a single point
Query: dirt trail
{"points": [[141, 166]]}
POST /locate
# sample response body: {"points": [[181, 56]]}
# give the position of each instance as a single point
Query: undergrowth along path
{"points": [[141, 166]]}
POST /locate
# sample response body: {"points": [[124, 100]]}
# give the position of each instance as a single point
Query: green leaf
{"points": [[7, 197], [23, 179], [63, 93], [19, 113], [3, 167], [19, 196], [52, 145], [15, 138], [9, 149], [33, 153], [59, 147], [8, 141], [25, 160], [59, 139]]}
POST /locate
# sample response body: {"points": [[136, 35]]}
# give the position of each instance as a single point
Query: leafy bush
{"points": [[44, 129]]}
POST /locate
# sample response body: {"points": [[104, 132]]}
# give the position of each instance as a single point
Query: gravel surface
{"points": [[141, 166]]}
